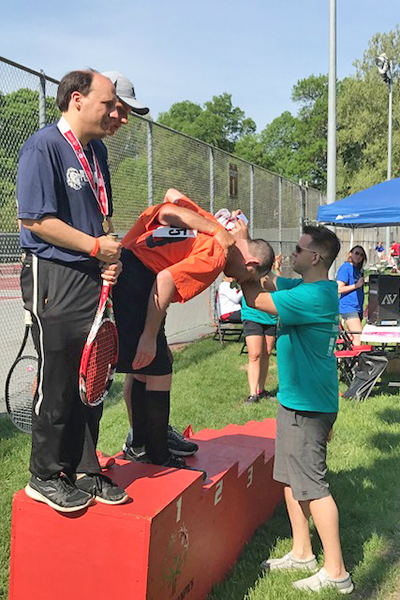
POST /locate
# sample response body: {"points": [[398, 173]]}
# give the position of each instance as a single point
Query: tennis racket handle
{"points": [[27, 317]]}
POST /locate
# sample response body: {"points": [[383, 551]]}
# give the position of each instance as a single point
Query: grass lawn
{"points": [[364, 459]]}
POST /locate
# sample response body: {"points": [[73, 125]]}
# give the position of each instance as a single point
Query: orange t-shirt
{"points": [[194, 262]]}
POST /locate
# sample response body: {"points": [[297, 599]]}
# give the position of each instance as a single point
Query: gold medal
{"points": [[106, 225]]}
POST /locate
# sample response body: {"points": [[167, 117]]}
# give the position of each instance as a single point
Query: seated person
{"points": [[380, 251], [394, 255], [229, 299]]}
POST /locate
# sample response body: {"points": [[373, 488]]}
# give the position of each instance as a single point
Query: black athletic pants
{"points": [[62, 300]]}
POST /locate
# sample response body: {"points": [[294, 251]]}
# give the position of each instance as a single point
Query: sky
{"points": [[179, 50]]}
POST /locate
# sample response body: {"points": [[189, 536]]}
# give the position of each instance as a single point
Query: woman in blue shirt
{"points": [[350, 280]]}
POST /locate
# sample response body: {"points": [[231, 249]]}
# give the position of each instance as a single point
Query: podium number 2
{"points": [[178, 509], [218, 492], [250, 473]]}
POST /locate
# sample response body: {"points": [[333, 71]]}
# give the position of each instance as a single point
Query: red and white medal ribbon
{"points": [[98, 190]]}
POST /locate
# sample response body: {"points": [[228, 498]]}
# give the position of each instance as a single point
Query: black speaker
{"points": [[383, 300]]}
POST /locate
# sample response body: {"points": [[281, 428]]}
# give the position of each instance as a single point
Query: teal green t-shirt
{"points": [[257, 316], [308, 325]]}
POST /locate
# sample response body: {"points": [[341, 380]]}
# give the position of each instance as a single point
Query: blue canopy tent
{"points": [[377, 206]]}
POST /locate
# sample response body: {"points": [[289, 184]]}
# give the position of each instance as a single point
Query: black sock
{"points": [[157, 417], [138, 401]]}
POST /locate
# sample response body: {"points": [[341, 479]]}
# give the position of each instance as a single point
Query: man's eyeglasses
{"points": [[299, 249]]}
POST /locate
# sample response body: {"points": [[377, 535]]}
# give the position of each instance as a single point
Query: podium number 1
{"points": [[178, 509]]}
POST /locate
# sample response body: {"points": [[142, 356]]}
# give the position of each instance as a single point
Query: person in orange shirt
{"points": [[173, 253]]}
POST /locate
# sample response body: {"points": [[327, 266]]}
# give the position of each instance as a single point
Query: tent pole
{"points": [[351, 237]]}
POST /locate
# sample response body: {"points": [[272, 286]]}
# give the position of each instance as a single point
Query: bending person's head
{"points": [[249, 260]]}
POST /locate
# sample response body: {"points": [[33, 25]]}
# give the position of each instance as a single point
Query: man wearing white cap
{"points": [[125, 105], [126, 100]]}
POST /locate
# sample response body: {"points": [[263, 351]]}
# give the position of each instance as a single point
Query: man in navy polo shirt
{"points": [[65, 208]]}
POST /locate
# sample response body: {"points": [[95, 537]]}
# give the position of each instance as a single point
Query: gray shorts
{"points": [[300, 452]]}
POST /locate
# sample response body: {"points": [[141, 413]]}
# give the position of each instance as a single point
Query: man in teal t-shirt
{"points": [[307, 311]]}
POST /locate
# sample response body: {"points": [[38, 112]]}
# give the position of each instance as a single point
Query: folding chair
{"points": [[370, 366], [225, 330], [347, 355]]}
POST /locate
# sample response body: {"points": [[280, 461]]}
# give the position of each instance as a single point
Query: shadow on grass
{"points": [[390, 415], [196, 354], [247, 570], [7, 428], [368, 499]]}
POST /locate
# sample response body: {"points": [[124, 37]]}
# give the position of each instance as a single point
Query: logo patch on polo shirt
{"points": [[75, 178]]}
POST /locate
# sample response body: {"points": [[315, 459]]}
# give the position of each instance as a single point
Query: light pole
{"points": [[385, 69], [331, 142], [331, 158]]}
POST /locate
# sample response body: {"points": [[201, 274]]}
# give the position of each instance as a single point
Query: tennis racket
{"points": [[100, 354], [21, 384]]}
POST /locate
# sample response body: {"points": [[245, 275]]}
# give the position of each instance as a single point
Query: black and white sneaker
{"points": [[59, 493], [252, 399], [102, 489], [176, 462], [136, 454], [179, 445], [129, 441]]}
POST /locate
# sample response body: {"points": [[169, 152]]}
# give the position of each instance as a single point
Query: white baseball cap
{"points": [[126, 91]]}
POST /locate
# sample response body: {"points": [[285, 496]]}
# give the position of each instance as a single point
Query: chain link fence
{"points": [[145, 159]]}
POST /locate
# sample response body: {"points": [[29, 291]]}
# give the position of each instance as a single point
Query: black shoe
{"points": [[129, 441], [102, 489], [252, 399], [59, 493], [179, 445], [176, 462], [136, 454], [263, 394]]}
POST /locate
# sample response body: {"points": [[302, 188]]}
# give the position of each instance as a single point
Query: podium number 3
{"points": [[218, 492]]}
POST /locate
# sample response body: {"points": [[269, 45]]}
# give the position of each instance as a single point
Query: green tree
{"points": [[218, 122], [363, 119], [19, 118], [295, 146]]}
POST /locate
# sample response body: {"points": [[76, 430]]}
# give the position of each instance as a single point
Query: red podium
{"points": [[177, 537]]}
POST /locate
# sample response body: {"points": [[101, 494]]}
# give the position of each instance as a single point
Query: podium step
{"points": [[176, 538]]}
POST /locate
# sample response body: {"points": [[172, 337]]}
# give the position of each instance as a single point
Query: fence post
{"points": [[251, 201], [212, 186], [213, 287], [306, 211], [42, 100], [280, 215], [150, 192], [301, 207]]}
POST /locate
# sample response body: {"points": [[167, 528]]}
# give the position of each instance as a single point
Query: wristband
{"points": [[96, 247], [218, 228]]}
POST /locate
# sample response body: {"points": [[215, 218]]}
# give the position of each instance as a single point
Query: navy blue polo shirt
{"points": [[51, 182]]}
